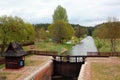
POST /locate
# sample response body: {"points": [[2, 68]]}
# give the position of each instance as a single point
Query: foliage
{"points": [[41, 25], [2, 66], [42, 34], [30, 32], [90, 30], [60, 14], [70, 31], [60, 31], [109, 30], [45, 26], [106, 45], [10, 28], [79, 31], [99, 43], [75, 40], [14, 29]]}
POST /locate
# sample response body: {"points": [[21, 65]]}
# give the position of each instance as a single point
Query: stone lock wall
{"points": [[44, 73]]}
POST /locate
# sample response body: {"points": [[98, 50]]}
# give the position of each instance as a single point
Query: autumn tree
{"points": [[60, 14], [60, 31], [109, 30]]}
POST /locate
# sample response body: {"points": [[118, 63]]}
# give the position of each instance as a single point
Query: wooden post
{"points": [[68, 58], [60, 58], [84, 59], [76, 59], [54, 58]]}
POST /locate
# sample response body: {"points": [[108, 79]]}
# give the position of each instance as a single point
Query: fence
{"points": [[104, 53]]}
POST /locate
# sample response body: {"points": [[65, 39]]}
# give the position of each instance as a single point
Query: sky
{"points": [[83, 12]]}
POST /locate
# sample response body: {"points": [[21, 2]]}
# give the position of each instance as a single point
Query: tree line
{"points": [[14, 29], [109, 30]]}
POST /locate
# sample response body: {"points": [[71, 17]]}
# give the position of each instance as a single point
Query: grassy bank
{"points": [[104, 45], [105, 71], [49, 46]]}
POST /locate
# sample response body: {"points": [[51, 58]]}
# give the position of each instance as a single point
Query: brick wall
{"points": [[44, 73]]}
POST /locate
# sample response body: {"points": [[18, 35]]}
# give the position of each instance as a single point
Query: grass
{"points": [[50, 46], [105, 71], [9, 75], [2, 66], [4, 74], [35, 60], [29, 62], [106, 45]]}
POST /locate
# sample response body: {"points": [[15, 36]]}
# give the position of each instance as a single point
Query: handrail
{"points": [[66, 58], [54, 53]]}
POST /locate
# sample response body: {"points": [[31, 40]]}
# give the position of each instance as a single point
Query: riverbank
{"points": [[104, 45], [49, 46]]}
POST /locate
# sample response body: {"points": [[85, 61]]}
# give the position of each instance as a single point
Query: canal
{"points": [[85, 45]]}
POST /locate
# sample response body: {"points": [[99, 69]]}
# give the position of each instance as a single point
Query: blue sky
{"points": [[83, 12]]}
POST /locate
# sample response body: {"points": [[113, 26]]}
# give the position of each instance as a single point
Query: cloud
{"points": [[83, 12]]}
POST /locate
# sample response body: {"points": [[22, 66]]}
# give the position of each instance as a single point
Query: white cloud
{"points": [[83, 12]]}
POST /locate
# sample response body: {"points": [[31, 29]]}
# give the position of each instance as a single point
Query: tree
{"points": [[60, 31], [43, 34], [60, 14], [79, 31], [90, 30], [109, 30], [99, 31], [30, 32], [12, 29]]}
